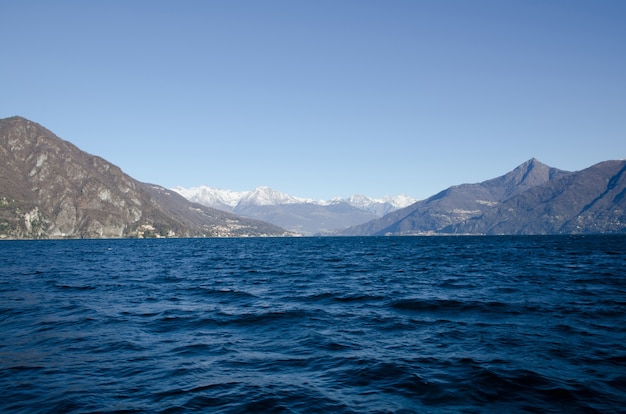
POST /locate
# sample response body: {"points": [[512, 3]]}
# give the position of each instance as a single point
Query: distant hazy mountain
{"points": [[51, 189], [531, 199], [306, 216]]}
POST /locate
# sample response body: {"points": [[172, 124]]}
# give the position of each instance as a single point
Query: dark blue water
{"points": [[346, 325]]}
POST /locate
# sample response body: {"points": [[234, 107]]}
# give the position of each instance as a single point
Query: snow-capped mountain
{"points": [[265, 196], [207, 196], [380, 206], [304, 215]]}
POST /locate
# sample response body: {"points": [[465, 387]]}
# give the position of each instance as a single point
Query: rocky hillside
{"points": [[51, 189], [531, 199]]}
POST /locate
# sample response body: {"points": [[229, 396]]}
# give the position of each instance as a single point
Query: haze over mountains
{"points": [[304, 216], [51, 189]]}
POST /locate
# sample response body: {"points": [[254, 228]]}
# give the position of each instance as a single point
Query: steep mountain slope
{"points": [[305, 216], [459, 203], [50, 189], [589, 201]]}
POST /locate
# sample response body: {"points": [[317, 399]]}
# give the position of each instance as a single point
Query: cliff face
{"points": [[51, 189]]}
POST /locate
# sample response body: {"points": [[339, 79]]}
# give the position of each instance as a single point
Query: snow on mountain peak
{"points": [[399, 201], [365, 202], [266, 196], [360, 200], [212, 197]]}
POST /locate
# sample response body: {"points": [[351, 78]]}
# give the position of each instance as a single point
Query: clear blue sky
{"points": [[321, 98]]}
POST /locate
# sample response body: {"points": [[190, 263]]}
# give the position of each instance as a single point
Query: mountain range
{"points": [[300, 215], [51, 189], [532, 199]]}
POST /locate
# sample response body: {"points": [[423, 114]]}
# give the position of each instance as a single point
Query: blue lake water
{"points": [[304, 325]]}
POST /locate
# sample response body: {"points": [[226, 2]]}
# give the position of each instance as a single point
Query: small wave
{"points": [[357, 298], [452, 305], [340, 297], [264, 318], [223, 293], [76, 287], [199, 349], [166, 323]]}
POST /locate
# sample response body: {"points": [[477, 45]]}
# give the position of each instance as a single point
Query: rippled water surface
{"points": [[346, 325]]}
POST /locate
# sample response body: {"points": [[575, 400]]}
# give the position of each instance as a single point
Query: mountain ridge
{"points": [[531, 199], [592, 200], [303, 215], [49, 188], [265, 195]]}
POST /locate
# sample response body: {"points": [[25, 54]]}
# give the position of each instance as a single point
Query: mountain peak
{"points": [[532, 199], [527, 175], [303, 215], [51, 189], [17, 118], [532, 163], [212, 197], [266, 196]]}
